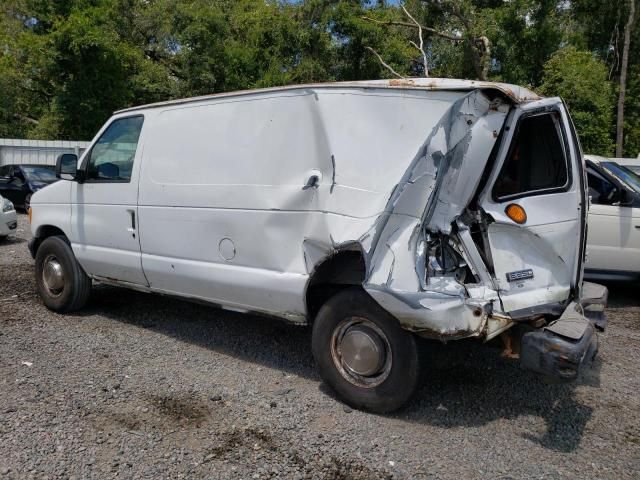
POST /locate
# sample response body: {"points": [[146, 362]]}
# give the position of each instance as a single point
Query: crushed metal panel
{"points": [[432, 194]]}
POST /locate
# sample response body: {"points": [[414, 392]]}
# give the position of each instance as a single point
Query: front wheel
{"points": [[61, 282], [364, 354]]}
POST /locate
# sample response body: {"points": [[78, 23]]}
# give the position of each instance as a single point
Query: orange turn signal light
{"points": [[29, 215], [516, 213]]}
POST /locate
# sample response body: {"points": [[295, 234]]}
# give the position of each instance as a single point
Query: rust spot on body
{"points": [[402, 82]]}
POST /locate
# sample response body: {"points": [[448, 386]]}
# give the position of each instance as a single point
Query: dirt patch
{"points": [[182, 410], [252, 442]]}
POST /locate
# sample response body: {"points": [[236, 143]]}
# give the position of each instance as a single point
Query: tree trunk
{"points": [[623, 79], [481, 53]]}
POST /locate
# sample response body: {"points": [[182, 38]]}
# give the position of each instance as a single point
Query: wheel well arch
{"points": [[343, 269], [44, 232]]}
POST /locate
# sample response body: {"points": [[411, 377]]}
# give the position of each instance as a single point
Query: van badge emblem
{"points": [[519, 275]]}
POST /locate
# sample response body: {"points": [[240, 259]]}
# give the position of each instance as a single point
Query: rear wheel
{"points": [[61, 282], [364, 354]]}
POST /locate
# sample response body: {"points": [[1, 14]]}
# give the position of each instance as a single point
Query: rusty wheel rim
{"points": [[361, 352]]}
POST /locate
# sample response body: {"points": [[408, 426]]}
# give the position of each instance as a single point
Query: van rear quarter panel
{"points": [[223, 213]]}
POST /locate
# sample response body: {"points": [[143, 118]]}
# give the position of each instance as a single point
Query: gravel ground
{"points": [[138, 385]]}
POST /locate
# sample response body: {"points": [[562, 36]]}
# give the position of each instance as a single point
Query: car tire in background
{"points": [[61, 282], [27, 203], [363, 353]]}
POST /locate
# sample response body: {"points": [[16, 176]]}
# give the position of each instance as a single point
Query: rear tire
{"points": [[364, 354], [61, 282]]}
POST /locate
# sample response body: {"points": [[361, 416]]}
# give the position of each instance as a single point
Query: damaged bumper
{"points": [[558, 351]]}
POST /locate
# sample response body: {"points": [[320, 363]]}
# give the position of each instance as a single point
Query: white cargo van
{"points": [[378, 211]]}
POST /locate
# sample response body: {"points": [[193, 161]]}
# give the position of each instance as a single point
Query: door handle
{"points": [[132, 229]]}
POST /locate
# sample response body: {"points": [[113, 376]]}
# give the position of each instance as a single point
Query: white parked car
{"points": [[613, 240], [8, 219], [378, 211]]}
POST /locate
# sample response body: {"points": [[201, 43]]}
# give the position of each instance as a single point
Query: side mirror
{"points": [[67, 166]]}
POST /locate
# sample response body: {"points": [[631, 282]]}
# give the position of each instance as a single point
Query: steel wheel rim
{"points": [[361, 352], [53, 276]]}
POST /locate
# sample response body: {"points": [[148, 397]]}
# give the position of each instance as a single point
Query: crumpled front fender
{"points": [[433, 193]]}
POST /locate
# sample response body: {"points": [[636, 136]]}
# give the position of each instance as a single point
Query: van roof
{"points": [[515, 93]]}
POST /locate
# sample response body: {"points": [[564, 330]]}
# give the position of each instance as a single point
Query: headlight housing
{"points": [[7, 206]]}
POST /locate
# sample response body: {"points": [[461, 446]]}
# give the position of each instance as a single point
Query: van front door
{"points": [[535, 198], [104, 213]]}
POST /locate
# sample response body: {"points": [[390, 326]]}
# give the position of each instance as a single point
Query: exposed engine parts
{"points": [[444, 258]]}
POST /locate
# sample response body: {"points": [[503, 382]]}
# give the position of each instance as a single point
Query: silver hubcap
{"points": [[52, 275], [361, 352]]}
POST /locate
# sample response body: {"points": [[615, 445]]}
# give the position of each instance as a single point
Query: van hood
{"points": [[56, 192]]}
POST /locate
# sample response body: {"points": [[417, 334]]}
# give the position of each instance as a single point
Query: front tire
{"points": [[61, 282], [364, 354]]}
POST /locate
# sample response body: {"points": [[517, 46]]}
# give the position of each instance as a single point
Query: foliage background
{"points": [[65, 66]]}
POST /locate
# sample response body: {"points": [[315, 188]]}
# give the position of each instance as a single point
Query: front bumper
{"points": [[561, 349], [593, 300]]}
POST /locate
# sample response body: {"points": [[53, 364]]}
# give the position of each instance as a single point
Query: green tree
{"points": [[581, 80], [66, 65], [526, 34]]}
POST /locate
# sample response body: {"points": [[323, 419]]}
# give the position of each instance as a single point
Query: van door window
{"points": [[111, 158], [536, 162]]}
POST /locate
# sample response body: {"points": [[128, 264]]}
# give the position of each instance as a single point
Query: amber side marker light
{"points": [[516, 213], [29, 214]]}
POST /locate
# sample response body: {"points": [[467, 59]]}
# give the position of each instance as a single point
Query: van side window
{"points": [[536, 162], [111, 158]]}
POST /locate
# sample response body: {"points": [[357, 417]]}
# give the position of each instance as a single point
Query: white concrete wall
{"points": [[39, 152]]}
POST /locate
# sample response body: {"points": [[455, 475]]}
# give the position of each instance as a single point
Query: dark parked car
{"points": [[19, 182]]}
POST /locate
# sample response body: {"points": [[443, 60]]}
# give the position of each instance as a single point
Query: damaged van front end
{"points": [[486, 232]]}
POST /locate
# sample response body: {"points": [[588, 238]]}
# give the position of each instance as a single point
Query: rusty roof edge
{"points": [[514, 93]]}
